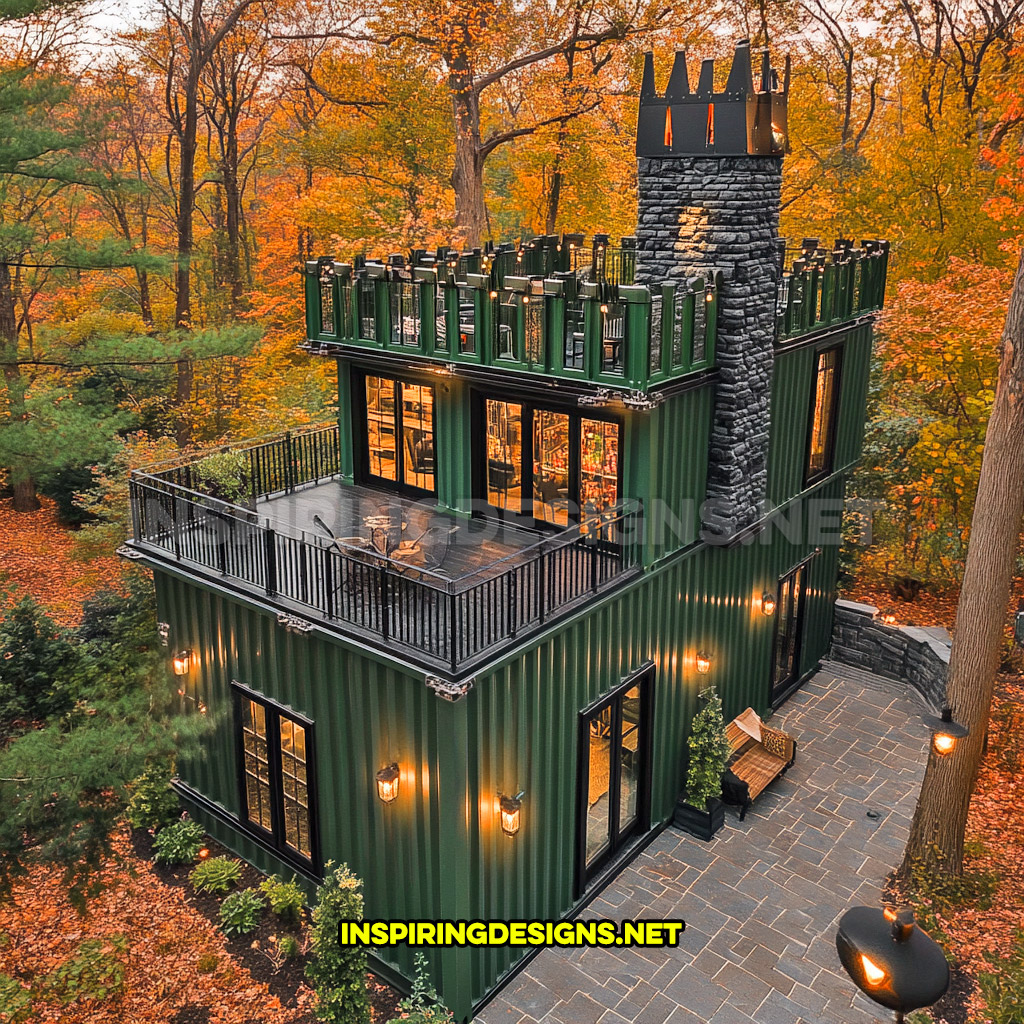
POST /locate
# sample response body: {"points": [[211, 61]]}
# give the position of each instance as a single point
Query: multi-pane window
{"points": [[400, 432], [275, 774], [504, 454], [823, 414]]}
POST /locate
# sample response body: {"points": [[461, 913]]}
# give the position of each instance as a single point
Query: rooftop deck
{"points": [[557, 307], [446, 592]]}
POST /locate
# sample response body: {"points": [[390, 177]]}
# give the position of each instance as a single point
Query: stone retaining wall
{"points": [[918, 656]]}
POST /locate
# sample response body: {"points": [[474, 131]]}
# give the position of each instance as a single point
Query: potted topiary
{"points": [[701, 812]]}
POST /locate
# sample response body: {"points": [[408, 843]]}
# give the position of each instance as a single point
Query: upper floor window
{"points": [[825, 399], [275, 760], [405, 313], [400, 433]]}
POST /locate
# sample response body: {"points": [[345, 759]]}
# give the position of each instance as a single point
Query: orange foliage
{"points": [[36, 559]]}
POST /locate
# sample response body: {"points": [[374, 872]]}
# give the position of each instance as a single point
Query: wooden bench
{"points": [[759, 756]]}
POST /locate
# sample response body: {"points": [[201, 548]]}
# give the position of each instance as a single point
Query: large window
{"points": [[275, 762], [552, 464], [823, 414], [400, 433]]}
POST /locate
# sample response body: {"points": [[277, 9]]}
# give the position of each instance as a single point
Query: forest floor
{"points": [[175, 965], [37, 559]]}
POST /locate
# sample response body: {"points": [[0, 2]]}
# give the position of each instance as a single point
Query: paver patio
{"points": [[762, 900]]}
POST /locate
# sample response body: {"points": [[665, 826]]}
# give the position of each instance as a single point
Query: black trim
{"points": [[532, 382], [361, 435], [225, 817], [274, 840], [478, 453], [644, 678], [832, 427], [817, 337], [778, 691]]}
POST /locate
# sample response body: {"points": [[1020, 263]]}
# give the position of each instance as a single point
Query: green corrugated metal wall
{"points": [[791, 408], [438, 851]]}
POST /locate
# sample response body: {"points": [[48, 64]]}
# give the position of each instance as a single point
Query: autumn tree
{"points": [[487, 55], [937, 831]]}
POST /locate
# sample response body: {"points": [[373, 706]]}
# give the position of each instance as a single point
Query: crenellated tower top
{"points": [[741, 121]]}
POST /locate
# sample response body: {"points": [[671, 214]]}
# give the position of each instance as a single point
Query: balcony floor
{"points": [[476, 545]]}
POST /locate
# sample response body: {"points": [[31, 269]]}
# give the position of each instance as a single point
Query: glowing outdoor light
{"points": [[703, 662], [768, 603], [181, 663], [510, 808], [204, 853], [945, 732], [890, 959], [387, 783], [709, 294]]}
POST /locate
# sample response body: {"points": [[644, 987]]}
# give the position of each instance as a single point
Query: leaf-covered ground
{"points": [[36, 558], [175, 963]]}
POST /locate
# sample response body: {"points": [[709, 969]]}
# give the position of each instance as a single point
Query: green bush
{"points": [[224, 475], [338, 973], [40, 671], [179, 843], [709, 751], [423, 1005], [240, 912], [153, 804], [217, 875], [1003, 987], [286, 899], [288, 946], [15, 1001]]}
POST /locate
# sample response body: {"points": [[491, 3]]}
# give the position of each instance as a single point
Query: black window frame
{"points": [[530, 406], [273, 839], [588, 877], [832, 427], [361, 434]]}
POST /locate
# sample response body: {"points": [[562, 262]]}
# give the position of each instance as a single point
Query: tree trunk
{"points": [[468, 175], [22, 482], [937, 831]]}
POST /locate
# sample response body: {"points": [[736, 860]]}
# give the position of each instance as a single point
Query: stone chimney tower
{"points": [[710, 178]]}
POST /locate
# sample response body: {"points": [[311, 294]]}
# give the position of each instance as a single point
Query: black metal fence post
{"points": [[270, 554]]}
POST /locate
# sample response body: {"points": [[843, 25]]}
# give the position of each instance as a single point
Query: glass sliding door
{"points": [[614, 775], [504, 455], [551, 468], [788, 627], [599, 466], [400, 433]]}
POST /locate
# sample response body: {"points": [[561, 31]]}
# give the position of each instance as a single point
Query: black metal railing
{"points": [[275, 465], [434, 619]]}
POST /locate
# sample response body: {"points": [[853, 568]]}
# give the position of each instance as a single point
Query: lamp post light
{"points": [[891, 960], [945, 732]]}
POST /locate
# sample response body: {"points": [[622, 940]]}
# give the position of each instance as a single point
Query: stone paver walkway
{"points": [[762, 900]]}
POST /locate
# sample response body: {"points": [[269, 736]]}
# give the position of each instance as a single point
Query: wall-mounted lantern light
{"points": [[945, 732], [182, 663], [387, 783], [767, 603], [709, 294], [510, 808], [890, 959], [703, 662]]}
